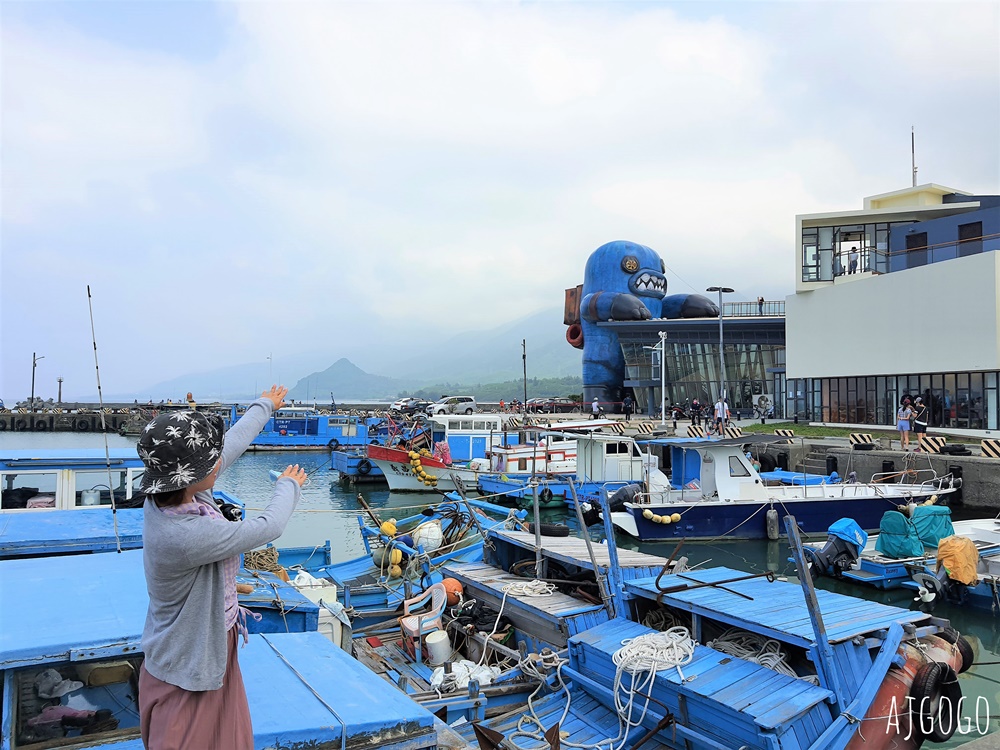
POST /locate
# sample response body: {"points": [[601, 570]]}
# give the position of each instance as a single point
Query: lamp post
{"points": [[59, 380], [722, 364], [663, 376], [34, 363]]}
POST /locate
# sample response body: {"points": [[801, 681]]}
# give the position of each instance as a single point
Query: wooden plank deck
{"points": [[574, 551], [557, 605], [777, 608]]}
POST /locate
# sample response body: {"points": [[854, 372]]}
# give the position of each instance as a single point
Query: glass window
{"points": [[479, 424], [970, 238], [92, 487], [736, 468], [466, 424], [34, 489]]}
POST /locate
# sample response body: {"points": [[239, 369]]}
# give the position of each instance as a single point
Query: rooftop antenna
{"points": [[913, 155]]}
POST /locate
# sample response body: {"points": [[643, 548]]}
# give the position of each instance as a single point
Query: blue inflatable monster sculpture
{"points": [[622, 281]]}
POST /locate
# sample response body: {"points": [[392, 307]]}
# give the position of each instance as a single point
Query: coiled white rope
{"points": [[517, 588], [757, 649], [640, 658]]}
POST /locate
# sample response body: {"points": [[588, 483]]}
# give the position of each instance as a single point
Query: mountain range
{"points": [[470, 358]]}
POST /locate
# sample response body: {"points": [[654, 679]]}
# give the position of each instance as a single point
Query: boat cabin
{"points": [[46, 479], [472, 436]]}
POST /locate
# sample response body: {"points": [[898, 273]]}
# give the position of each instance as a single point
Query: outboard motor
{"points": [[843, 547], [616, 504], [591, 515]]}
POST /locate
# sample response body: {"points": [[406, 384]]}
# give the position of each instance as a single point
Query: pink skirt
{"points": [[171, 718]]}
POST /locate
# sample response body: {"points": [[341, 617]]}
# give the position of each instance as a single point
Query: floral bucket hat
{"points": [[179, 449]]}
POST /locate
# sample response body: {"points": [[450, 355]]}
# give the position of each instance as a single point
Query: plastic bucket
{"points": [[90, 497], [438, 647]]}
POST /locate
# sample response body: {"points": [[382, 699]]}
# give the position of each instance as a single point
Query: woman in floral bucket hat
{"points": [[191, 692]]}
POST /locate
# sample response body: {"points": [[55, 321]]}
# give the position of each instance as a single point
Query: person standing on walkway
{"points": [[903, 416], [920, 412], [628, 406], [853, 260], [721, 414]]}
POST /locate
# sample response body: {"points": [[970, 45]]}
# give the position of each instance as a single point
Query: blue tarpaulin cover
{"points": [[848, 530], [898, 537], [933, 523]]}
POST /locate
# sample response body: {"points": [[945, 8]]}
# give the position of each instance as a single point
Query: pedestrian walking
{"points": [[628, 406], [721, 413]]}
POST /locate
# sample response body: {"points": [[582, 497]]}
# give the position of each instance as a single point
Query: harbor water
{"points": [[329, 511]]}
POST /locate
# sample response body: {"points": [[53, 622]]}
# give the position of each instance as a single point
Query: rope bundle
{"points": [[262, 559], [757, 649]]}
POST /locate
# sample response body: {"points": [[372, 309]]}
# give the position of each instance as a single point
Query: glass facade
{"points": [[752, 357], [962, 400]]}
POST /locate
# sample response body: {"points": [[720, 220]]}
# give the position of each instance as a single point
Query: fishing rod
{"points": [[104, 426]]}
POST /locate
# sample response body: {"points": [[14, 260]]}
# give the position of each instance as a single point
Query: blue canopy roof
{"points": [[60, 532], [37, 458], [51, 607]]}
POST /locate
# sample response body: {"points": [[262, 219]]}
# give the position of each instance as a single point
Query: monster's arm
{"points": [[613, 306], [688, 306]]}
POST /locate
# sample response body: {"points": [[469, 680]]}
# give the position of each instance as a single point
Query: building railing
{"points": [[765, 309]]}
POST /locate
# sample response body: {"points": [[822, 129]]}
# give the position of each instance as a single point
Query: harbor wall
{"points": [[63, 422]]}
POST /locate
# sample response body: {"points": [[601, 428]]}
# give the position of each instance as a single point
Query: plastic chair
{"points": [[415, 626]]}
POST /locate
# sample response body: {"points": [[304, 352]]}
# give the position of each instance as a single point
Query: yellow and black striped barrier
{"points": [[733, 432], [618, 427], [784, 432], [644, 428], [990, 447], [932, 444], [696, 430], [861, 438]]}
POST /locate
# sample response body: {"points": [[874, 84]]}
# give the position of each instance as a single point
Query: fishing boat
{"points": [[42, 479], [70, 666], [307, 428], [729, 499], [662, 654], [353, 465]]}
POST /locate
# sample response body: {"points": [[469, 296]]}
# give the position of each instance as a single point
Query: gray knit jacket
{"points": [[184, 638]]}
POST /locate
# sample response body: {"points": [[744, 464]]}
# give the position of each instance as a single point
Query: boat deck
{"points": [[551, 618], [776, 609], [574, 552]]}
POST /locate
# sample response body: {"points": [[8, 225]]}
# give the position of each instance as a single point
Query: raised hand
{"points": [[276, 395], [299, 475]]}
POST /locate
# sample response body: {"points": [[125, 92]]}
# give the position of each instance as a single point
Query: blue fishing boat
{"points": [[730, 499], [70, 666], [307, 428], [353, 465], [55, 479]]}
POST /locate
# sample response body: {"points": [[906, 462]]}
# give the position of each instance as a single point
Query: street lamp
{"points": [[59, 380], [663, 376], [34, 363], [722, 364]]}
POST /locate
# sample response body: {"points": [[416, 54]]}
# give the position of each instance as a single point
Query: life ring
{"points": [[545, 495], [334, 444], [936, 695], [282, 432], [21, 424], [83, 425], [41, 426], [364, 466]]}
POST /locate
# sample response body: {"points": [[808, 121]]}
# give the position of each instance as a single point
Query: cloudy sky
{"points": [[242, 179]]}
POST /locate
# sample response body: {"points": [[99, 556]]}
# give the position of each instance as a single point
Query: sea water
{"points": [[330, 510]]}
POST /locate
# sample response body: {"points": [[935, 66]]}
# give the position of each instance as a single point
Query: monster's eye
{"points": [[663, 266], [630, 264]]}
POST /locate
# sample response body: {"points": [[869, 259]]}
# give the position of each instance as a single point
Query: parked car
{"points": [[558, 405], [532, 405], [453, 405], [409, 405]]}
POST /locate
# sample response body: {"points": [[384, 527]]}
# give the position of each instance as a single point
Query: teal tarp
{"points": [[933, 523], [898, 537]]}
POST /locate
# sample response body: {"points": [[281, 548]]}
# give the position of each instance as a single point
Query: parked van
{"points": [[453, 405]]}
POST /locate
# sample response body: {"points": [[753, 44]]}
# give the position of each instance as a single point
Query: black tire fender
{"points": [[21, 424], [334, 444], [935, 693], [3, 425], [41, 426], [364, 466], [545, 495], [964, 647], [550, 529], [82, 425]]}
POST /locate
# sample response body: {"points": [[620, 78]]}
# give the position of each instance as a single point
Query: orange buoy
{"points": [[454, 589]]}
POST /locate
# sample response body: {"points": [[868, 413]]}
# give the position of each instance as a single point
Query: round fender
{"points": [[334, 444], [364, 466], [41, 426], [935, 693], [550, 529], [3, 425], [83, 425], [574, 335], [964, 647], [21, 424], [545, 495]]}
